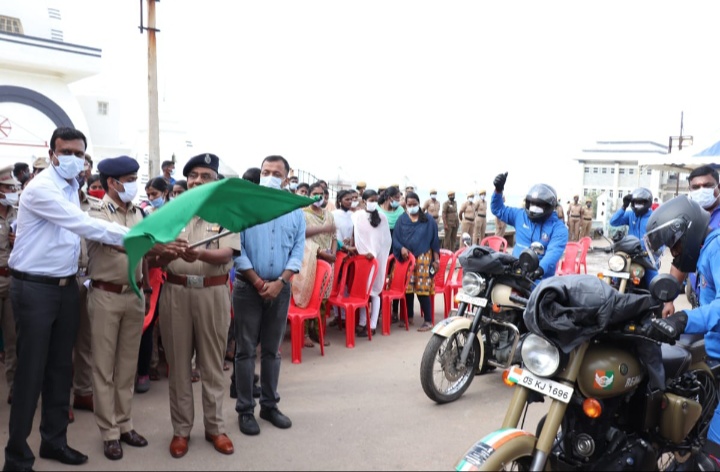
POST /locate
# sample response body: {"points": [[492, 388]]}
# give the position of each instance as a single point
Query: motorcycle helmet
{"points": [[679, 220], [540, 202], [641, 201]]}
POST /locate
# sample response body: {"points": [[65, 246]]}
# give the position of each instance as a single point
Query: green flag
{"points": [[233, 203]]}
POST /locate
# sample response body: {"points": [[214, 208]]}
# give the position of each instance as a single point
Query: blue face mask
{"points": [[158, 202], [413, 210], [394, 203]]}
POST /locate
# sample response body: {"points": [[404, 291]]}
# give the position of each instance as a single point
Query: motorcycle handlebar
{"points": [[518, 299]]}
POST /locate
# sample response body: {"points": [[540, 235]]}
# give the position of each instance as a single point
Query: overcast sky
{"points": [[445, 93]]}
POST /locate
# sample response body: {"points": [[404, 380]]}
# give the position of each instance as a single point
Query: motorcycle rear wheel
{"points": [[443, 379]]}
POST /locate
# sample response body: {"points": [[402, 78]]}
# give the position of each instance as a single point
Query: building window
{"points": [[604, 170], [622, 171], [54, 13], [587, 170], [631, 171], [102, 108], [612, 170], [649, 172], [620, 193], [56, 35], [585, 192], [595, 170], [10, 25], [611, 193]]}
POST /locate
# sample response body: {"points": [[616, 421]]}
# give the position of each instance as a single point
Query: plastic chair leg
{"points": [[296, 339], [350, 327], [386, 316], [321, 331], [404, 313]]}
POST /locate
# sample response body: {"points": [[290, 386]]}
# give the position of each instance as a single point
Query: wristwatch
{"points": [[281, 279]]}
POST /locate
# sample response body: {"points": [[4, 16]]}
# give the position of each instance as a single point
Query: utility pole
{"points": [[153, 115]]}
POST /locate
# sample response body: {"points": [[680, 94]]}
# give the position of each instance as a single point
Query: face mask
{"points": [[354, 204], [452, 199], [158, 202], [394, 203], [69, 166], [535, 210], [96, 193], [639, 206], [704, 196], [320, 203], [413, 210], [433, 196], [293, 185], [10, 199], [471, 199], [271, 181], [129, 193], [371, 206], [589, 205], [172, 172], [482, 198]]}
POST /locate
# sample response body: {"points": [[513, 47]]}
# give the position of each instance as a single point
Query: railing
{"points": [[310, 178]]}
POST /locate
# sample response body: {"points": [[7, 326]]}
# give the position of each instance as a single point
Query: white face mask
{"points": [[293, 185], [705, 197], [10, 199], [271, 181], [639, 205], [371, 206], [129, 193], [433, 196], [320, 202], [69, 166], [482, 198], [354, 204], [534, 209], [471, 199], [413, 209]]}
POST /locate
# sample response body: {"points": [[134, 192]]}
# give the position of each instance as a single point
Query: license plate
{"points": [[619, 275], [552, 389], [477, 301]]}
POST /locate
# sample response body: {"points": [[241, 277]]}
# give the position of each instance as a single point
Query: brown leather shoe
{"points": [[178, 446], [83, 402], [132, 438], [221, 442], [113, 450]]}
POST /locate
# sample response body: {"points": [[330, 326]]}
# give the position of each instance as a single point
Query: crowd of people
{"points": [[72, 322]]}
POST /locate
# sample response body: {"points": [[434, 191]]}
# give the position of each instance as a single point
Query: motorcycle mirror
{"points": [[466, 239], [664, 287], [537, 248], [529, 261], [618, 235], [600, 232]]}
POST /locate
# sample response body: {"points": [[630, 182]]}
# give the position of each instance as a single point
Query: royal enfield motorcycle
{"points": [[616, 398], [484, 333], [627, 264]]}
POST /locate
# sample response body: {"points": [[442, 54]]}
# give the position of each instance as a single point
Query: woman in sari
{"points": [[373, 240]]}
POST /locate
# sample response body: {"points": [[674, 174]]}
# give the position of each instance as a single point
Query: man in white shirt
{"points": [[45, 300]]}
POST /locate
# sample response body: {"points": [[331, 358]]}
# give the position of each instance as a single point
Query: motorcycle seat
{"points": [[676, 360], [695, 343]]}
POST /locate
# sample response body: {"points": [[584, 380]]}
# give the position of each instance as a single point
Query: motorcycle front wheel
{"points": [[443, 378]]}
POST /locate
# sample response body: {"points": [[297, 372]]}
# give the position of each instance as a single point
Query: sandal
{"points": [[425, 327], [308, 342], [154, 374]]}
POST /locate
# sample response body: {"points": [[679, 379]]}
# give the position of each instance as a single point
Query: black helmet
{"points": [[679, 220], [543, 196], [641, 201]]}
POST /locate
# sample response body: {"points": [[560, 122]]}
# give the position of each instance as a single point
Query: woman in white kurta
{"points": [[373, 240]]}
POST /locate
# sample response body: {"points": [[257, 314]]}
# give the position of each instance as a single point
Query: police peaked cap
{"points": [[118, 166], [211, 161]]}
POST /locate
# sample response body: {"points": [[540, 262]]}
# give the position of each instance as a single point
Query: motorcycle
{"points": [[484, 333], [607, 409], [628, 263]]}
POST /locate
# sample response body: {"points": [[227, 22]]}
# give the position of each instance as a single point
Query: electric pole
{"points": [[153, 115]]}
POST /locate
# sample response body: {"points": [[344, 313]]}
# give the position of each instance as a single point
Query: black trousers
{"points": [[46, 318]]}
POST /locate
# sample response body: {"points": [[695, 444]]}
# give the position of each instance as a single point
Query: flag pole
{"points": [[210, 239]]}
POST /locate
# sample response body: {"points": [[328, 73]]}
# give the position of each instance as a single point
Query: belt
{"points": [[587, 219], [574, 216], [481, 216], [197, 281], [42, 279], [469, 219], [110, 287], [4, 271]]}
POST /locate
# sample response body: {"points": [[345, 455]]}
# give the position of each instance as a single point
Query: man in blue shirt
{"points": [[636, 218], [270, 254], [537, 222], [168, 169]]}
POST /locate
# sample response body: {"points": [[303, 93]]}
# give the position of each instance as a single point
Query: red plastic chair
{"points": [[297, 316], [396, 291], [454, 283], [441, 278], [497, 243], [582, 259], [569, 263], [365, 270], [337, 271]]}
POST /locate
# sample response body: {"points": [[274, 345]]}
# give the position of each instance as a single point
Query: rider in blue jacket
{"points": [[537, 222], [640, 201], [682, 225]]}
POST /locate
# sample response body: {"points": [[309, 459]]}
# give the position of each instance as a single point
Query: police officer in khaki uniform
{"points": [[8, 215], [480, 217], [360, 187], [500, 225], [559, 210], [195, 315], [587, 217], [116, 312], [574, 215], [432, 206], [451, 221], [467, 216]]}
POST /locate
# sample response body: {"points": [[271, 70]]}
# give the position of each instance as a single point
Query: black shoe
{"points": [[113, 450], [10, 467], [64, 455], [362, 331], [132, 438], [257, 390], [256, 378], [274, 416], [233, 390], [248, 424]]}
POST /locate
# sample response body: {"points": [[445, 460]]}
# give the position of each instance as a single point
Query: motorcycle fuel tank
{"points": [[608, 371], [501, 296]]}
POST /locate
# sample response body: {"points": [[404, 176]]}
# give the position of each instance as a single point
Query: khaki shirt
{"points": [[197, 230], [432, 207], [468, 210], [481, 209], [575, 209], [450, 214], [86, 202], [105, 263], [560, 212], [5, 247], [586, 213]]}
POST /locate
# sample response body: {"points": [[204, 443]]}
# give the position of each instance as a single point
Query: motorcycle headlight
{"points": [[616, 263], [540, 356], [473, 284], [636, 270]]}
